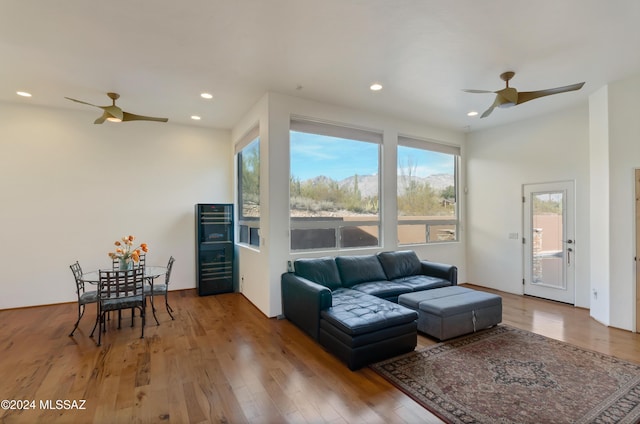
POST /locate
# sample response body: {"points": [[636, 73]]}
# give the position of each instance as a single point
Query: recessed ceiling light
{"points": [[195, 117], [23, 93], [472, 113], [207, 96], [376, 87]]}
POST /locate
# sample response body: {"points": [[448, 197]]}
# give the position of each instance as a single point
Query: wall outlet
{"points": [[289, 266]]}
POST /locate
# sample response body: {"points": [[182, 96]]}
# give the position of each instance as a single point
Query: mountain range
{"points": [[368, 184]]}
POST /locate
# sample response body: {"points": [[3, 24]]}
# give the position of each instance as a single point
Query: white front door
{"points": [[549, 244]]}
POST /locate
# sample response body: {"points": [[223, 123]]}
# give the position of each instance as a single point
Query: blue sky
{"points": [[313, 155]]}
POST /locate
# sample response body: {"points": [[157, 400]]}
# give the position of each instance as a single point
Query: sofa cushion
{"points": [[421, 282], [319, 270], [384, 289], [399, 264], [356, 313], [359, 269], [387, 333]]}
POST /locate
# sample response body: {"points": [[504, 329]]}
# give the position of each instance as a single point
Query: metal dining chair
{"points": [[120, 290], [162, 289], [85, 297], [115, 265]]}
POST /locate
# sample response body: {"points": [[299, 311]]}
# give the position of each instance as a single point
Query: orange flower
{"points": [[125, 249]]}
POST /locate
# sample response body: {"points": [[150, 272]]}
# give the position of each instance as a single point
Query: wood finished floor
{"points": [[222, 360]]}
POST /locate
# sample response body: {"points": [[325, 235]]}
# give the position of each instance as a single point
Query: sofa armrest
{"points": [[302, 301], [446, 271]]}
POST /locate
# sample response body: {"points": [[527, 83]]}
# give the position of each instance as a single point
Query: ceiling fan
{"points": [[114, 114], [509, 96]]}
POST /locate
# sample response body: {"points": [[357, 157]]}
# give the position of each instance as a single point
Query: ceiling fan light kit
{"points": [[509, 96], [113, 113]]}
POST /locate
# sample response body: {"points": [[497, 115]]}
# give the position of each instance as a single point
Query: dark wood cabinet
{"points": [[214, 248]]}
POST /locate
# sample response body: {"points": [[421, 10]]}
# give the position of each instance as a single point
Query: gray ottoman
{"points": [[452, 311]]}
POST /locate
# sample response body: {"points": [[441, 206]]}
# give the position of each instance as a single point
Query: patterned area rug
{"points": [[507, 375]]}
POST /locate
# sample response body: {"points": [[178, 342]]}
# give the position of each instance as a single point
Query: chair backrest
{"points": [[169, 268], [120, 285], [142, 261], [77, 275], [115, 262]]}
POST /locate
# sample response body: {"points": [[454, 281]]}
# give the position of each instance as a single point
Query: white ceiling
{"points": [[161, 54]]}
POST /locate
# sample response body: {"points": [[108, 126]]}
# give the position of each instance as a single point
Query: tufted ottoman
{"points": [[449, 312], [360, 328]]}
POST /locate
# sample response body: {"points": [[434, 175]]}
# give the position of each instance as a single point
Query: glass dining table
{"points": [[151, 272]]}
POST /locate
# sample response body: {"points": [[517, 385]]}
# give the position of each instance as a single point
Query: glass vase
{"points": [[126, 264]]}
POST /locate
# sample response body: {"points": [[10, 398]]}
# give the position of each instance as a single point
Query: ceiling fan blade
{"points": [[84, 103], [525, 96], [495, 104], [133, 117], [477, 91], [102, 118]]}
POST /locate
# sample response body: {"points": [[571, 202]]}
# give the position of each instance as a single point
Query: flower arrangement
{"points": [[125, 250]]}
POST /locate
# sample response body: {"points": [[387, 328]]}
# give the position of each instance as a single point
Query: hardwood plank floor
{"points": [[222, 360]]}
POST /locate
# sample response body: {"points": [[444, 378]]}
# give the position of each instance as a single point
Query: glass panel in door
{"points": [[546, 237]]}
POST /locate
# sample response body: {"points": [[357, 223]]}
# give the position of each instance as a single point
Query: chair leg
{"points": [[98, 318], [80, 314], [101, 330], [119, 317], [166, 304], [153, 309], [142, 314]]}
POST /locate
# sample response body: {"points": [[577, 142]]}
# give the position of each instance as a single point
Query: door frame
{"points": [[568, 245]]}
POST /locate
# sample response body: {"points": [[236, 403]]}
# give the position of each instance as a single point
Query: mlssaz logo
{"points": [[65, 404]]}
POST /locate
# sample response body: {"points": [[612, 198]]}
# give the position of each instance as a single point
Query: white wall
{"points": [[624, 157], [499, 161], [274, 112], [252, 263], [599, 204], [70, 188]]}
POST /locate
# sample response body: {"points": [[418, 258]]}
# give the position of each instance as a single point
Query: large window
{"points": [[248, 154], [334, 186], [427, 192]]}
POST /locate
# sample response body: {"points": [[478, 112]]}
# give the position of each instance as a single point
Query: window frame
{"points": [[248, 228], [336, 130], [429, 224]]}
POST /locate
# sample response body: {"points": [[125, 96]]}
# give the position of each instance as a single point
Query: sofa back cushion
{"points": [[319, 270], [399, 264], [359, 269]]}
